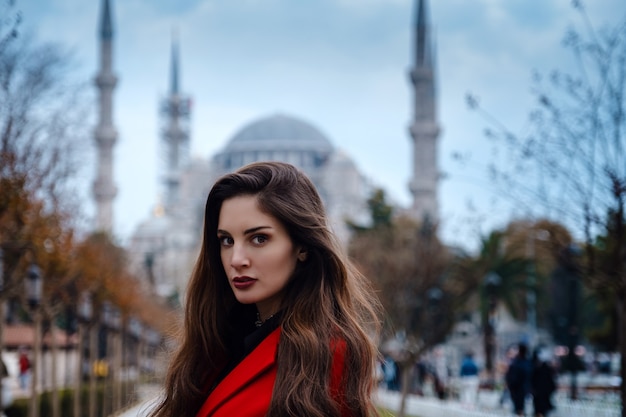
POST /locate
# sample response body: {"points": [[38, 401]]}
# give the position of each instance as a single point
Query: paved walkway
{"points": [[147, 398], [139, 410], [487, 405]]}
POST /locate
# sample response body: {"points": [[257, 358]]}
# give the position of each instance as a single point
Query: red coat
{"points": [[247, 390]]}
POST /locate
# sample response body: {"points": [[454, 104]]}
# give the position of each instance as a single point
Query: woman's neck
{"points": [[260, 320]]}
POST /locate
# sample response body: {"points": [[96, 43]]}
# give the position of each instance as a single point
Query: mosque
{"points": [[164, 246]]}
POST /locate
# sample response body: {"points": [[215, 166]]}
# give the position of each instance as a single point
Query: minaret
{"points": [[176, 110], [104, 190], [424, 128]]}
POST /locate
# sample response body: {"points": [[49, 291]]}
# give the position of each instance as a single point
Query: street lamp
{"points": [[531, 280], [133, 345], [84, 313], [112, 321], [570, 261], [93, 332], [434, 296], [152, 340], [492, 283], [34, 291], [34, 286]]}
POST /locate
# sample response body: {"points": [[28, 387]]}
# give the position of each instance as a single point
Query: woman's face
{"points": [[257, 253]]}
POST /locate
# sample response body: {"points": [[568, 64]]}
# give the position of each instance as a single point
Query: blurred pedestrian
{"points": [[503, 366], [391, 374], [518, 379], [24, 368], [543, 383], [469, 379]]}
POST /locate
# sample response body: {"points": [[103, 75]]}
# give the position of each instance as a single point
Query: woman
{"points": [[277, 322]]}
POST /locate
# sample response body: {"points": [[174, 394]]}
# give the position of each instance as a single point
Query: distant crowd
{"points": [[526, 377]]}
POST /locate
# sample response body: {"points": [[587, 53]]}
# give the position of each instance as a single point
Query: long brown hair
{"points": [[326, 300]]}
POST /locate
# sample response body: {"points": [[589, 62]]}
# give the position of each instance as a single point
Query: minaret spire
{"points": [[174, 75], [106, 26], [104, 190], [424, 128], [176, 110]]}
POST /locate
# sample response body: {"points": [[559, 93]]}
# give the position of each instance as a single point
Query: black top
{"points": [[244, 339]]}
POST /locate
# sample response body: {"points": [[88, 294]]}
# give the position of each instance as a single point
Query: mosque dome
{"points": [[279, 132], [277, 138]]}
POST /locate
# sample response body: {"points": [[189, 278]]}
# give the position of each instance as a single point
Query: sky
{"points": [[341, 65]]}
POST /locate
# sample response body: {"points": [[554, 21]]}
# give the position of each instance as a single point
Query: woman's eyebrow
{"points": [[255, 229], [246, 232]]}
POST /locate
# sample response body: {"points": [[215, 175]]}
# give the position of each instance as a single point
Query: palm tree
{"points": [[495, 275]]}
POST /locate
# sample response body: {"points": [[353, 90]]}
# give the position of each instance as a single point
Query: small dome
{"points": [[155, 226], [279, 132]]}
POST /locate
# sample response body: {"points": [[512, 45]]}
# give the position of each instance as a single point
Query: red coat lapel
{"points": [[258, 369]]}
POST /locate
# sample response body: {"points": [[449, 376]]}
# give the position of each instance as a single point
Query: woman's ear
{"points": [[302, 255]]}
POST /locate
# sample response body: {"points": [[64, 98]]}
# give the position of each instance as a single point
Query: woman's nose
{"points": [[240, 257]]}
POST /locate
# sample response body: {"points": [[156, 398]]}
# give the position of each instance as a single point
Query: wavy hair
{"points": [[326, 300]]}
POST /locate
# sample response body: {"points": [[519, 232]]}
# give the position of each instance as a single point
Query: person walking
{"points": [[543, 383], [277, 322], [390, 372], [469, 380], [24, 368], [518, 379]]}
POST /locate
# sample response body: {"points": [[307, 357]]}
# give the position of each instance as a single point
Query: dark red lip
{"points": [[242, 283]]}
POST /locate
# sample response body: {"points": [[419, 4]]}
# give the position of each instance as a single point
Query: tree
{"points": [[381, 213], [43, 123], [509, 281], [571, 164], [540, 243], [407, 264], [41, 120], [522, 256], [10, 20]]}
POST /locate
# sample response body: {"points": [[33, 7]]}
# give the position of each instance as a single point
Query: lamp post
{"points": [[573, 290], [93, 328], [531, 281], [135, 329], [112, 321], [34, 291], [85, 312], [118, 359], [434, 296], [492, 283], [152, 340]]}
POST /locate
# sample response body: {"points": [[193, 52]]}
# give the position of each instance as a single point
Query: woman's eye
{"points": [[259, 239], [225, 240]]}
